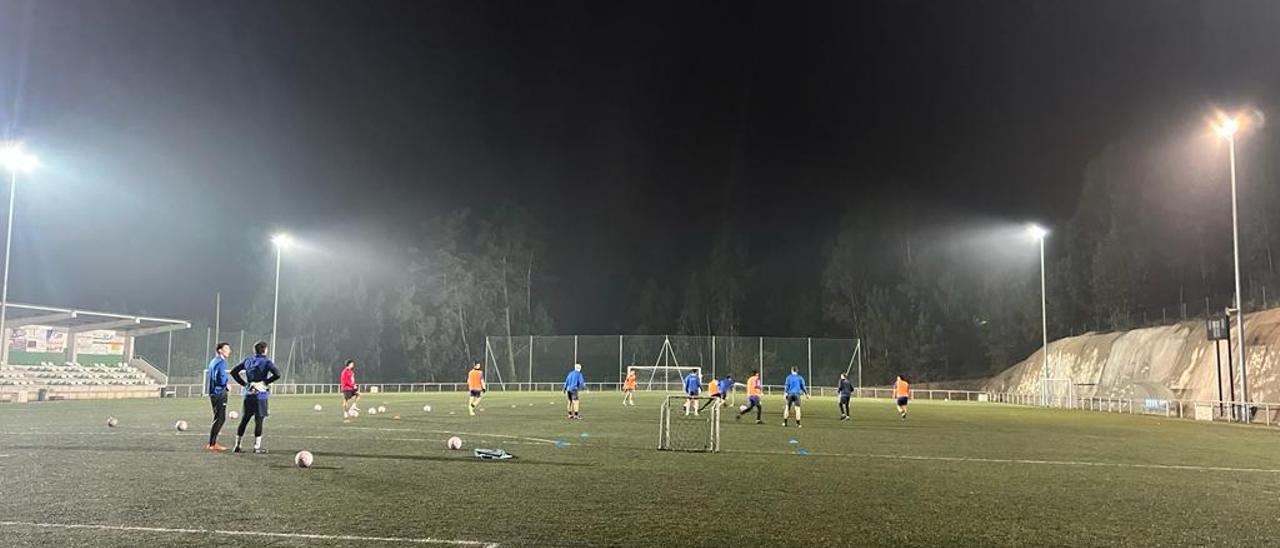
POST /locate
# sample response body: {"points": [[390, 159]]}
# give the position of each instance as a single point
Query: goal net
{"points": [[663, 377], [684, 429]]}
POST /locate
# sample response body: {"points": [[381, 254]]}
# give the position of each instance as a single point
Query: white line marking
{"points": [[477, 434], [311, 536], [1032, 461]]}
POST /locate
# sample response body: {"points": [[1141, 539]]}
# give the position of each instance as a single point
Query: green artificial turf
{"points": [[953, 474]]}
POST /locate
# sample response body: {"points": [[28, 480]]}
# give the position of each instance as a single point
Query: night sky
{"points": [[177, 136]]}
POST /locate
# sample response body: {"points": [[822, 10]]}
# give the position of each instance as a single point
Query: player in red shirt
{"points": [[350, 392]]}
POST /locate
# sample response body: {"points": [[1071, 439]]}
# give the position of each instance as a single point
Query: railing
{"points": [[1267, 413]]}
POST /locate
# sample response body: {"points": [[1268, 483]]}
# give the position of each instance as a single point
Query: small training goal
{"points": [[685, 428]]}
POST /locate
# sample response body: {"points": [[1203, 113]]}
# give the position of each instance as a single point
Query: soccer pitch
{"points": [[952, 474]]}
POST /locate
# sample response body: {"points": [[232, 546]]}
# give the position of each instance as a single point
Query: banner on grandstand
{"points": [[37, 338]]}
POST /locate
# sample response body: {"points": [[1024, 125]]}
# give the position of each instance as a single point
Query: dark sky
{"points": [[176, 136]]}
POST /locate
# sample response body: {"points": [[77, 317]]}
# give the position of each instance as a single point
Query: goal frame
{"points": [[664, 424], [681, 372]]}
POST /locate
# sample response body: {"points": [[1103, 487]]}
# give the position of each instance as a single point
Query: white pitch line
{"points": [[477, 434], [1191, 467], [311, 536]]}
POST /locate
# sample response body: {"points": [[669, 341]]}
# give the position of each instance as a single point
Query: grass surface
{"points": [[953, 474]]}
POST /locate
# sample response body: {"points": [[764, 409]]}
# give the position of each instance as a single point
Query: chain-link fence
{"points": [[605, 358]]}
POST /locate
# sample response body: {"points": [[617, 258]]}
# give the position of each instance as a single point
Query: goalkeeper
{"points": [[255, 374]]}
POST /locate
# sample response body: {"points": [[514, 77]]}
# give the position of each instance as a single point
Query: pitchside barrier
{"points": [[1267, 413]]}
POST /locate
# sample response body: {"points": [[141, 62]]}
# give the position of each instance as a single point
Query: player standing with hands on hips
{"points": [[216, 378], [794, 387], [255, 374], [572, 384]]}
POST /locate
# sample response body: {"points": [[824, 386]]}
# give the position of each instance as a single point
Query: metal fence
{"points": [[533, 359], [1265, 413]]}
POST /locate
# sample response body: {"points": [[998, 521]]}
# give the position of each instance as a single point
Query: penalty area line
{"points": [[310, 536]]}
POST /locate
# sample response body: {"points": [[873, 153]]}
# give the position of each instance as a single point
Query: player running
{"points": [[350, 390], [255, 374], [475, 383], [572, 384], [629, 389], [216, 379], [794, 388], [719, 391], [692, 388], [845, 389], [902, 391], [753, 397]]}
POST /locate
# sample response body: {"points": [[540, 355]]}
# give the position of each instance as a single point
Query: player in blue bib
{"points": [[692, 388]]}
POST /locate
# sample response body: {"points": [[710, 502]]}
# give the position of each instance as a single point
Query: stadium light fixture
{"points": [[1227, 127], [282, 240], [1038, 233], [15, 159]]}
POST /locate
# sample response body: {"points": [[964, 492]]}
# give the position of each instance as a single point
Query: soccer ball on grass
{"points": [[303, 459], [181, 426], [455, 443]]}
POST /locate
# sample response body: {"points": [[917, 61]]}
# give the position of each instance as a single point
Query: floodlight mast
{"points": [[280, 241], [1038, 233], [1227, 129], [15, 159]]}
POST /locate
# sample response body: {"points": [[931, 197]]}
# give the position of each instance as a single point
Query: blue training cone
{"points": [[560, 444], [802, 451]]}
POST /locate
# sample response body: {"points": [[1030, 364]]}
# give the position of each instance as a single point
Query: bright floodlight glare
{"points": [[16, 159], [1227, 128], [1037, 232], [282, 240]]}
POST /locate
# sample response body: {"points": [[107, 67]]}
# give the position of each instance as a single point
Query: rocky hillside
{"points": [[1168, 362]]}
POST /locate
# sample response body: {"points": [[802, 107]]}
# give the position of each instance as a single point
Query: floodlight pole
{"points": [[275, 308], [4, 290], [1044, 323], [1239, 297]]}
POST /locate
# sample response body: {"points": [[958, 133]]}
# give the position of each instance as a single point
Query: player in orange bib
{"points": [[902, 391], [476, 386], [629, 389], [753, 398]]}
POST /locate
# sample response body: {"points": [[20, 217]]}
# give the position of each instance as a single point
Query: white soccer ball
{"points": [[318, 407], [181, 426], [233, 415], [373, 410], [382, 409], [112, 422], [426, 408], [355, 413], [303, 459], [742, 409], [455, 443]]}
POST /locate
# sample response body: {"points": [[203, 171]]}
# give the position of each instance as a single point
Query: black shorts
{"points": [[844, 398], [793, 400], [573, 395], [255, 406], [694, 393], [476, 393], [903, 400], [348, 394]]}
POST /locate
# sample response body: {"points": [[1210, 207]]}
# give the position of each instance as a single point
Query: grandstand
{"points": [[59, 353]]}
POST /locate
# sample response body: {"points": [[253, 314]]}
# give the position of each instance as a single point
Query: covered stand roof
{"points": [[19, 315]]}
